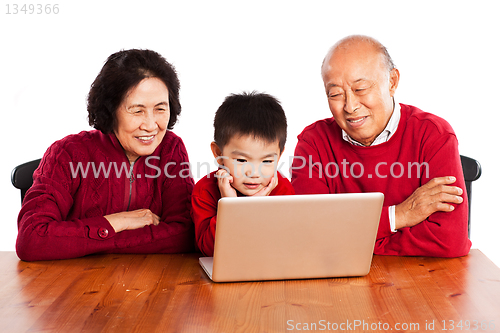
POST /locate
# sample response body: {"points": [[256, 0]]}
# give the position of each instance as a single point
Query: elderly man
{"points": [[373, 144]]}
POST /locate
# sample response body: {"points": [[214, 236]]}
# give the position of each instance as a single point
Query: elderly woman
{"points": [[122, 188]]}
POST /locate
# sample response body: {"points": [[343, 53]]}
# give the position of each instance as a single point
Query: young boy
{"points": [[250, 136]]}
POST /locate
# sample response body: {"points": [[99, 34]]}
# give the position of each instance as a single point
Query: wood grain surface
{"points": [[171, 293]]}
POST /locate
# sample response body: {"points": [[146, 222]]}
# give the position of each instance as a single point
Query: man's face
{"points": [[360, 89]]}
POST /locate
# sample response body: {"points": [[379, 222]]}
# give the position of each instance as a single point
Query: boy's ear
{"points": [[215, 149], [279, 156], [281, 153]]}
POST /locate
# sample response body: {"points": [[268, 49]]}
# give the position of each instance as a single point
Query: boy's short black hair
{"points": [[257, 114]]}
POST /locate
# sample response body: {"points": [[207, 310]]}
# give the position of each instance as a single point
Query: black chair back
{"points": [[472, 172], [22, 176]]}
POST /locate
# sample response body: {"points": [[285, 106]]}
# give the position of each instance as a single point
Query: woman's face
{"points": [[142, 118]]}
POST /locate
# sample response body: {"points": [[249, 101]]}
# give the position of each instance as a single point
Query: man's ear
{"points": [[216, 151], [393, 81]]}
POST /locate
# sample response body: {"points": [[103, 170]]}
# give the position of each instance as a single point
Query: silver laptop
{"points": [[294, 237]]}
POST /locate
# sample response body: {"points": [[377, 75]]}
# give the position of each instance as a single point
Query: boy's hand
{"points": [[224, 180], [269, 188]]}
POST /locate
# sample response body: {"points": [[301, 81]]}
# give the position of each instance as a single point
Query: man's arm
{"points": [[438, 230], [432, 221], [434, 196]]}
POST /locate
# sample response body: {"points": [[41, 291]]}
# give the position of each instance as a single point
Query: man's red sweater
{"points": [[205, 197], [422, 141]]}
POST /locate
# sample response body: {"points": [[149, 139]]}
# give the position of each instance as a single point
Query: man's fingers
{"points": [[436, 195], [441, 202], [443, 207], [440, 185], [440, 181], [446, 189], [445, 197], [452, 190]]}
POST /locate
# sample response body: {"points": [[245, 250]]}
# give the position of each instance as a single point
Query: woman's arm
{"points": [[47, 231], [44, 231]]}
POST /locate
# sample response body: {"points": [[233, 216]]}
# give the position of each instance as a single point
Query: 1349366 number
{"points": [[14, 9], [468, 325]]}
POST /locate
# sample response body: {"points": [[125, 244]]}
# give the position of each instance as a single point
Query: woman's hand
{"points": [[224, 180], [135, 219]]}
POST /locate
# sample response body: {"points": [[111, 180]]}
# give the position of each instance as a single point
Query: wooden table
{"points": [[171, 293]]}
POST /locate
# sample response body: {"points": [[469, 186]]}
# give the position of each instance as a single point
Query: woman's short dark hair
{"points": [[122, 71], [256, 114]]}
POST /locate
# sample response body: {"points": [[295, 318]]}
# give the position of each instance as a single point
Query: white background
{"points": [[447, 53]]}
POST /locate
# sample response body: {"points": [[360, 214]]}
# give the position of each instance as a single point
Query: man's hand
{"points": [[224, 181], [135, 219], [432, 197]]}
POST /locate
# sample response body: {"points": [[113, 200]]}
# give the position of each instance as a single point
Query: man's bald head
{"points": [[352, 41]]}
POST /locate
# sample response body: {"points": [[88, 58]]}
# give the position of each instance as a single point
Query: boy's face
{"points": [[251, 162]]}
